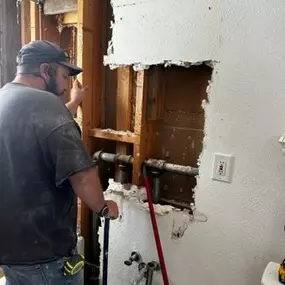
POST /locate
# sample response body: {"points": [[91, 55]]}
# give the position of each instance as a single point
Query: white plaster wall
{"points": [[245, 117]]}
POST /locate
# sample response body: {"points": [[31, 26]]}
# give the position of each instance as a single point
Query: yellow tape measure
{"points": [[74, 264], [281, 272]]}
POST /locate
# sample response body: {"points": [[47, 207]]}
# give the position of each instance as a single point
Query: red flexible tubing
{"points": [[155, 231]]}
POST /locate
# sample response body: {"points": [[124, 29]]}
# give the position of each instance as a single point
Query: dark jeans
{"points": [[50, 273]]}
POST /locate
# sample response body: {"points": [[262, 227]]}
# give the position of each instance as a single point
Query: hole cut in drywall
{"points": [[180, 126]]}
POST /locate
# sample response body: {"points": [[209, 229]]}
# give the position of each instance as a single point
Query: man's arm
{"points": [[86, 185], [76, 97], [72, 106], [66, 156]]}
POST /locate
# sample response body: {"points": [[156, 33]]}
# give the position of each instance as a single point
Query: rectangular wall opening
{"points": [[180, 130]]}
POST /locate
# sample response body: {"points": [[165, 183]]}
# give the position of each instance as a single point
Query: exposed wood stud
{"points": [[156, 94], [35, 21], [25, 22], [104, 41], [124, 107], [89, 57], [140, 151], [124, 93]]}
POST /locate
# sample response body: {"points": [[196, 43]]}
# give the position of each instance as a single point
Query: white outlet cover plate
{"points": [[228, 161]]}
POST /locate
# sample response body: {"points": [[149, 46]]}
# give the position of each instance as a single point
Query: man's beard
{"points": [[51, 86]]}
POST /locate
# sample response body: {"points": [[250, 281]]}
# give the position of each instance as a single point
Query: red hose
{"points": [[155, 229]]}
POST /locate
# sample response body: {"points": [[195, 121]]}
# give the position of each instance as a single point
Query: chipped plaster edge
{"points": [[137, 196], [137, 66], [205, 105]]}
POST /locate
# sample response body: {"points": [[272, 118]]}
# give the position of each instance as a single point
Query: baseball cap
{"points": [[41, 51]]}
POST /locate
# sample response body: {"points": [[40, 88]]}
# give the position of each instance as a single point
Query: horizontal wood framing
{"points": [[119, 136], [70, 18]]}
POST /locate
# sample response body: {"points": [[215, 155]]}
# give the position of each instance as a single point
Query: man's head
{"points": [[48, 63]]}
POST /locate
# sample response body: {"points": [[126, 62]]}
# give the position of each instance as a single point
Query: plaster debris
{"points": [[18, 5], [110, 50], [111, 66], [130, 4], [160, 210], [181, 220], [127, 191], [180, 225], [140, 66], [136, 66], [138, 196], [120, 133], [144, 66], [60, 26], [187, 64]]}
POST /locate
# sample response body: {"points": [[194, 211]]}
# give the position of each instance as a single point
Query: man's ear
{"points": [[45, 71]]}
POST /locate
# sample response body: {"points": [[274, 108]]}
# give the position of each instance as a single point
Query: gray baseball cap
{"points": [[41, 51]]}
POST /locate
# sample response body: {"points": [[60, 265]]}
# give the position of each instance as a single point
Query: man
{"points": [[43, 167]]}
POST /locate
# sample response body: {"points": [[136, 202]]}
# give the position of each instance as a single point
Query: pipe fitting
{"points": [[113, 158], [142, 266], [135, 257], [153, 265], [151, 268], [97, 155], [156, 185], [123, 173]]}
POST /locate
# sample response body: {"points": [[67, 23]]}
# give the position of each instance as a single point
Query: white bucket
{"points": [[270, 274]]}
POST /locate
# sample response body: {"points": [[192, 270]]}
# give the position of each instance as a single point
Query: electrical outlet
{"points": [[223, 167]]}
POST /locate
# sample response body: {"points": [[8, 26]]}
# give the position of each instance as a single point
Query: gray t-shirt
{"points": [[40, 147]]}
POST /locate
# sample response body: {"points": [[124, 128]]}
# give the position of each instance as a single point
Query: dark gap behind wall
{"points": [[180, 131]]}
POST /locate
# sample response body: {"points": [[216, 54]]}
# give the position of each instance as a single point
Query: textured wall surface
{"points": [[244, 117]]}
